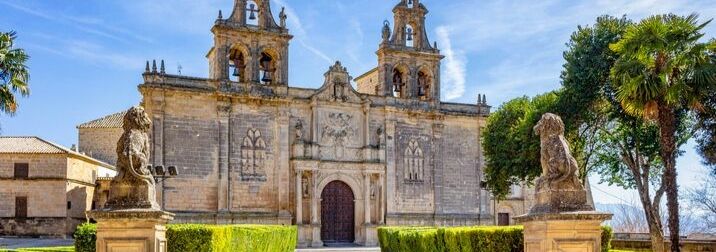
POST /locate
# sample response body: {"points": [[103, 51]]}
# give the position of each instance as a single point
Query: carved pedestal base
{"points": [[316, 240], [133, 230], [560, 200], [371, 235], [563, 232]]}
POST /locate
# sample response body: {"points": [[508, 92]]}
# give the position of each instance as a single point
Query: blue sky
{"points": [[88, 56]]}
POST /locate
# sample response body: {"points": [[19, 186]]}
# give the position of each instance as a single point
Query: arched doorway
{"points": [[337, 213]]}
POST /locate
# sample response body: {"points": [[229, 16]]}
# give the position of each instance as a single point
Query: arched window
{"points": [[237, 65], [398, 83], [423, 85], [267, 68], [410, 4], [252, 13], [409, 36]]}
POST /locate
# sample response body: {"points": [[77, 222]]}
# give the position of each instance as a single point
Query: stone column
{"points": [[381, 200], [282, 165], [224, 112], [299, 197], [315, 222], [366, 197], [371, 231]]}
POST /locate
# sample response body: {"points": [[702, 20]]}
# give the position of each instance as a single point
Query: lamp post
{"points": [[160, 174]]}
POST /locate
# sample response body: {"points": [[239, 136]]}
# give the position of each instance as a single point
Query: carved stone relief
{"points": [[414, 162], [337, 133]]}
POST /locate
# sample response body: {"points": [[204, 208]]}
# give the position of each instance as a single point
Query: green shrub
{"points": [[606, 238], [210, 238], [218, 238], [85, 237], [460, 239]]}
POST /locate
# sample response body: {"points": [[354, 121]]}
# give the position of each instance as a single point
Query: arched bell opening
{"points": [[267, 68], [410, 4], [399, 82], [252, 13], [237, 65], [409, 36], [424, 84]]}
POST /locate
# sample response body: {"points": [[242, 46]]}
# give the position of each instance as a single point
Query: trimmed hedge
{"points": [[211, 238], [460, 239], [85, 237]]}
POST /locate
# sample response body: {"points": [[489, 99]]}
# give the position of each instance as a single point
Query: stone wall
{"points": [[40, 165], [100, 143], [39, 227]]}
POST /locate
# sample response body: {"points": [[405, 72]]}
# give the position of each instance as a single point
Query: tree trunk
{"points": [[667, 132]]}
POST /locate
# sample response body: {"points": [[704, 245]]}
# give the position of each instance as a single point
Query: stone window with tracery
{"points": [[414, 163], [253, 155]]}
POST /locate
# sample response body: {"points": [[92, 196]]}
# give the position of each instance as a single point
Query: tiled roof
{"points": [[36, 145], [110, 121], [29, 145]]}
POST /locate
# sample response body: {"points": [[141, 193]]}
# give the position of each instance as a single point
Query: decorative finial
{"points": [[283, 17], [221, 16], [386, 31], [146, 69], [161, 69], [479, 99], [484, 99], [154, 66], [435, 44]]}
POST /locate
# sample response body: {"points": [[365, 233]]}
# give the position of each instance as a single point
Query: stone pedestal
{"points": [[135, 230], [563, 232], [371, 235]]}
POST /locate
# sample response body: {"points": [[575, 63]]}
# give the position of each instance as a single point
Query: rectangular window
{"points": [[20, 207], [503, 219], [21, 170], [69, 205]]}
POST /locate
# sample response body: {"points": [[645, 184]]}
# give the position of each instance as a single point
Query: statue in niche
{"points": [[306, 187], [373, 190], [134, 185], [379, 132], [299, 130], [558, 189]]}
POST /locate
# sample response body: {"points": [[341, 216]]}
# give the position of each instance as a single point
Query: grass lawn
{"points": [[47, 249]]}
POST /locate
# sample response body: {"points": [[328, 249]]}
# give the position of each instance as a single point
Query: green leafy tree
{"points": [[622, 148], [14, 75], [706, 134], [660, 71], [512, 150]]}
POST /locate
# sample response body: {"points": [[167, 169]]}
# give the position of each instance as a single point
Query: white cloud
{"points": [[453, 76], [89, 52], [300, 34], [89, 25]]}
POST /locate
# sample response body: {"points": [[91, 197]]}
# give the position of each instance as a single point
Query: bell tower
{"points": [[408, 65], [249, 46]]}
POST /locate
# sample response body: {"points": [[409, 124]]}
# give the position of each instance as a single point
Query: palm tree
{"points": [[13, 73], [662, 70]]}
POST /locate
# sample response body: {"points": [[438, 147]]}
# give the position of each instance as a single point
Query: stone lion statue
{"points": [[133, 187], [559, 168]]}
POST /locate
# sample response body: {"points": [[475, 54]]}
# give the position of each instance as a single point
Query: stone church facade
{"points": [[335, 161]]}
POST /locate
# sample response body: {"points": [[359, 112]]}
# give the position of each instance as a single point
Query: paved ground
{"points": [[354, 249], [13, 243]]}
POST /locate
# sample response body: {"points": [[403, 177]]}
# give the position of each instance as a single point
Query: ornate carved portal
{"points": [[337, 213], [253, 155], [414, 162]]}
